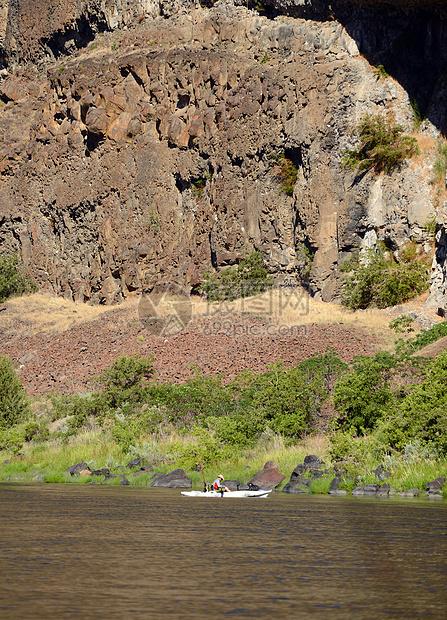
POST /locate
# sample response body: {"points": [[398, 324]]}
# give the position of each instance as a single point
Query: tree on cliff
{"points": [[14, 405], [13, 278]]}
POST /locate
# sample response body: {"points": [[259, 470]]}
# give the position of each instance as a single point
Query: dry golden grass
{"points": [[44, 313], [298, 308]]}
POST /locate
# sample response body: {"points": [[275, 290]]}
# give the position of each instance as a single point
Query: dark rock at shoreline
{"points": [[434, 488], [75, 470], [268, 477], [176, 479], [333, 487], [435, 484], [366, 489], [124, 481], [294, 486], [101, 472], [311, 462], [235, 485], [414, 492], [384, 490]]}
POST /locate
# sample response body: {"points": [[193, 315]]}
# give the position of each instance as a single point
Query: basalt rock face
{"points": [[155, 153]]}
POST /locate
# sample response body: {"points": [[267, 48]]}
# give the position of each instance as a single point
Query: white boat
{"points": [[230, 494]]}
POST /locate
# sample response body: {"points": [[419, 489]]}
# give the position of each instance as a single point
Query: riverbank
{"points": [[95, 451]]}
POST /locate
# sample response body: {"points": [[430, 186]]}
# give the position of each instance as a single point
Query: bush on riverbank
{"points": [[376, 407]]}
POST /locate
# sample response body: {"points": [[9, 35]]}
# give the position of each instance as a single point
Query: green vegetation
{"points": [[387, 409], [265, 58], [198, 187], [382, 146], [417, 114], [380, 73], [286, 171], [304, 259], [14, 279], [430, 225], [440, 165], [380, 280], [14, 405], [248, 277]]}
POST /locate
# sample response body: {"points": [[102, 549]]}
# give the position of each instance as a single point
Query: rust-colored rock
{"points": [[268, 478]]}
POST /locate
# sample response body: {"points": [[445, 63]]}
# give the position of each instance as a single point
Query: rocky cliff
{"points": [[140, 142]]}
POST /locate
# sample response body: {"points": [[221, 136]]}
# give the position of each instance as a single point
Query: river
{"points": [[82, 551]]}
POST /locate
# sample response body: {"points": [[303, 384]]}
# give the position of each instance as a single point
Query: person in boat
{"points": [[218, 486]]}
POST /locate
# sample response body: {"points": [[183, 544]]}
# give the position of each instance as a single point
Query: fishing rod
{"points": [[203, 476]]}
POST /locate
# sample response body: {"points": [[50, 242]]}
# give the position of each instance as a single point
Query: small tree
{"points": [[123, 381], [14, 405], [13, 278], [382, 146]]}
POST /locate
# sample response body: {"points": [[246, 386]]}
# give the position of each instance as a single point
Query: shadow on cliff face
{"points": [[408, 38], [412, 48]]}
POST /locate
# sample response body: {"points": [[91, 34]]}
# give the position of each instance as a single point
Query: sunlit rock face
{"points": [[143, 144]]}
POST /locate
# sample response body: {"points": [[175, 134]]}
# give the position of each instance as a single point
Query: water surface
{"points": [[81, 551]]}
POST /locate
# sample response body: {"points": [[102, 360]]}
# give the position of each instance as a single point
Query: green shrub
{"points": [[265, 58], [381, 73], [382, 146], [362, 396], [77, 407], [14, 279], [206, 450], [381, 281], [249, 277], [304, 259], [125, 380], [357, 451], [126, 433], [287, 172], [402, 325], [238, 429], [189, 403], [14, 404], [440, 165], [422, 414], [421, 340], [288, 399]]}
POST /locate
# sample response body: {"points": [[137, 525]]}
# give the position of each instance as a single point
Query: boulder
{"points": [[75, 470], [384, 490], [294, 486], [267, 478], [333, 487], [100, 472], [312, 461], [176, 479], [410, 493], [124, 481], [366, 489], [435, 484]]}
